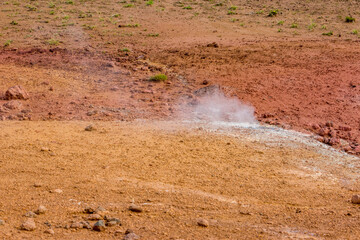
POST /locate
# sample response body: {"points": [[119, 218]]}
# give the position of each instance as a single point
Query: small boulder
{"points": [[56, 191], [41, 210], [99, 226], [355, 199], [131, 236], [76, 225], [90, 128], [2, 222], [95, 216], [135, 208], [203, 222], [49, 231], [28, 225], [30, 214], [13, 105], [16, 92]]}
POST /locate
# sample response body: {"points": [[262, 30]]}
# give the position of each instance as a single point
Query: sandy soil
{"points": [[245, 185], [91, 61]]}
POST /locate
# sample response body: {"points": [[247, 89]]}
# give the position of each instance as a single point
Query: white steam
{"points": [[214, 106]]}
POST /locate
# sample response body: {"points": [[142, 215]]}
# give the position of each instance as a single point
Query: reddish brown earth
{"points": [[91, 61]]}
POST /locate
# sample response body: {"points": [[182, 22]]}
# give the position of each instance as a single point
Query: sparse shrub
{"points": [[312, 26], [69, 2], [7, 43], [355, 32], [51, 5], [187, 7], [153, 35], [52, 12], [125, 50], [128, 6], [280, 23], [14, 23], [273, 13], [232, 8], [31, 8], [159, 78], [349, 19], [149, 3], [231, 13], [324, 27], [260, 12], [53, 42], [294, 25], [328, 33]]}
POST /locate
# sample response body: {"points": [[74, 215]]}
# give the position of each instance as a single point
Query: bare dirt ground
{"points": [[295, 62], [245, 187]]}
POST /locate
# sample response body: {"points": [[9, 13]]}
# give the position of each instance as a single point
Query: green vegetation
{"points": [[51, 5], [232, 8], [280, 23], [149, 3], [273, 13], [159, 78], [294, 25], [312, 26], [69, 2], [53, 42], [349, 19], [14, 23], [153, 35], [355, 32], [128, 6], [7, 43], [328, 33], [125, 50], [188, 7], [231, 13]]}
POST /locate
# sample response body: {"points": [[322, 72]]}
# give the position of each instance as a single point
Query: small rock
{"points": [[45, 149], [76, 225], [49, 231], [214, 45], [86, 225], [12, 105], [56, 191], [355, 199], [30, 214], [89, 210], [111, 223], [95, 216], [2, 222], [16, 92], [99, 226], [37, 185], [28, 225], [203, 222], [205, 82], [114, 220], [135, 208], [131, 236], [90, 128], [41, 210]]}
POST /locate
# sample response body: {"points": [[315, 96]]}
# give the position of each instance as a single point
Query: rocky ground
{"points": [[65, 64], [169, 180]]}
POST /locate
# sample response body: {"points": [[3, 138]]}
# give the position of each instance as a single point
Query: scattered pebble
{"points": [[41, 210], [30, 214], [111, 223], [203, 222], [99, 226], [45, 149], [86, 225], [76, 225], [131, 236], [135, 208], [89, 210], [94, 216], [28, 225], [355, 199], [56, 191], [37, 185], [49, 231], [116, 220], [90, 128], [2, 222]]}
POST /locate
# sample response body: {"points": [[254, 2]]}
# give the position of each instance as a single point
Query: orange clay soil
{"points": [[247, 186]]}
